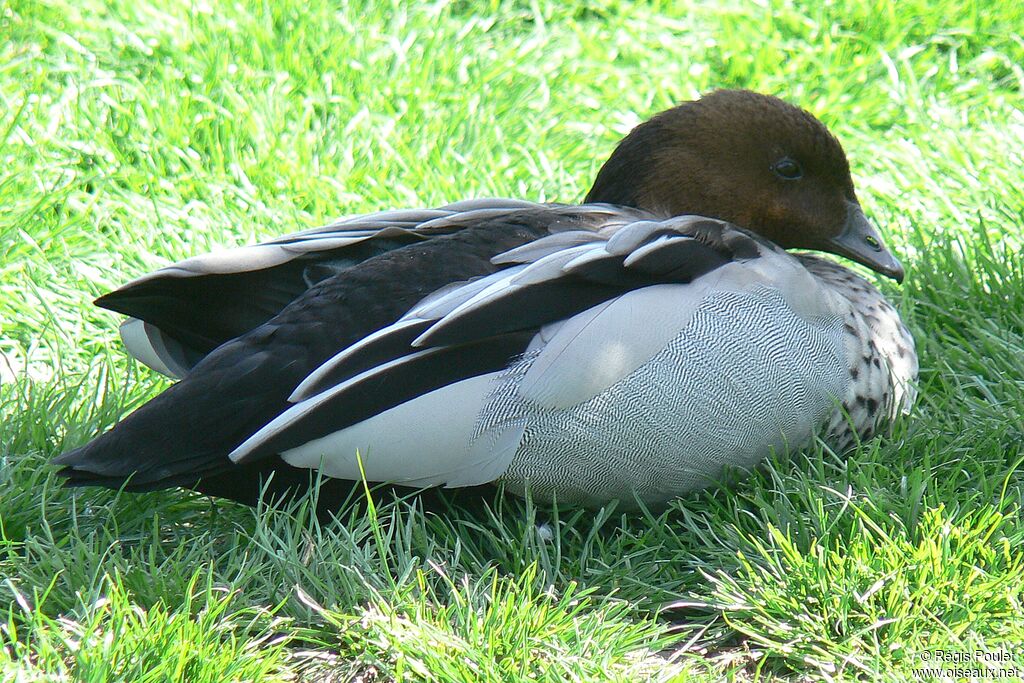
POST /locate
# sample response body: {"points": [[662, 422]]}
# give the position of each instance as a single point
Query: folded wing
{"points": [[479, 328], [180, 313]]}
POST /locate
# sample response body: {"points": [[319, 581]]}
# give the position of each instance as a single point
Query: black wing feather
{"points": [[201, 312]]}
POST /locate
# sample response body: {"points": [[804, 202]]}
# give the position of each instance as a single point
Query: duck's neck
{"points": [[628, 170]]}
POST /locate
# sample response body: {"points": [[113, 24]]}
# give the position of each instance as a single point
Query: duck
{"points": [[635, 347]]}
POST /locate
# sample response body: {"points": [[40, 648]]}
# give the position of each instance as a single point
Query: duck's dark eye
{"points": [[787, 168]]}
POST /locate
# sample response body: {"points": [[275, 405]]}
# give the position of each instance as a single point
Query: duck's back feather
{"points": [[193, 306], [199, 304]]}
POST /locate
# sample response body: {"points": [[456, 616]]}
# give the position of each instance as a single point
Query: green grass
{"points": [[135, 133]]}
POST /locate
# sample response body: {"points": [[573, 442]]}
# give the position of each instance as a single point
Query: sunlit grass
{"points": [[133, 134]]}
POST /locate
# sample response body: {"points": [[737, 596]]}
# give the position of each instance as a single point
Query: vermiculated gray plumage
{"points": [[701, 404]]}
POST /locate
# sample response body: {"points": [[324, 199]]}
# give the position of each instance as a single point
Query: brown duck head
{"points": [[753, 160]]}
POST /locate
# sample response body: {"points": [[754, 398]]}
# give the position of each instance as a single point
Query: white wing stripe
{"points": [[587, 258], [300, 393], [545, 246], [550, 267], [501, 287], [632, 236], [434, 308], [644, 250]]}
